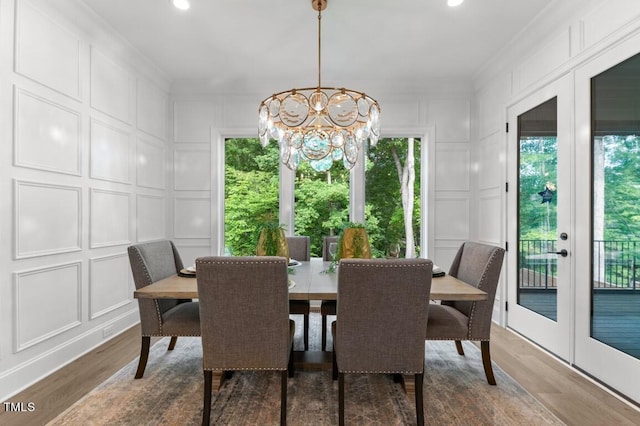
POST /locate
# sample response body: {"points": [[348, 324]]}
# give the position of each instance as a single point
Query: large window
{"points": [[392, 194], [251, 192]]}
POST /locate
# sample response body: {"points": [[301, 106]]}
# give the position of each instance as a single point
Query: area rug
{"points": [[455, 393]]}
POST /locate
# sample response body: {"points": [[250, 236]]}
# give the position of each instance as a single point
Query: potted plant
{"points": [[354, 242], [272, 241]]}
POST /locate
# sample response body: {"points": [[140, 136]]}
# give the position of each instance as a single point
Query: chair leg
{"points": [[290, 366], [283, 398], [324, 332], [334, 364], [486, 362], [306, 332], [419, 400], [144, 356], [341, 399], [459, 347], [206, 410], [172, 343]]}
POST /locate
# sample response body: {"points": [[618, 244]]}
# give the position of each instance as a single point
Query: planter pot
{"points": [[355, 244], [272, 242]]}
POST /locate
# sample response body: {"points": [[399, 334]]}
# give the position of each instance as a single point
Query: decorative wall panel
{"points": [[549, 57], [193, 120], [192, 218], [454, 216], [192, 168], [110, 153], [47, 135], [151, 109], [240, 113], [489, 219], [452, 118], [452, 169], [110, 214], [46, 52], [491, 163], [47, 219], [111, 87], [47, 303], [151, 218], [609, 16], [108, 284], [150, 163]]}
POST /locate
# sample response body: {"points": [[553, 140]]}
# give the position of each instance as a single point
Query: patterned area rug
{"points": [[455, 393]]}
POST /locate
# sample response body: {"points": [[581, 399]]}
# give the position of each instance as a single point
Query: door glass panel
{"points": [[615, 283], [537, 209]]}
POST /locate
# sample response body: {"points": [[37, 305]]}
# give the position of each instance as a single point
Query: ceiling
{"points": [[249, 46]]}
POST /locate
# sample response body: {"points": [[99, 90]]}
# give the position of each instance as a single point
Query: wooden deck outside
{"points": [[615, 317]]}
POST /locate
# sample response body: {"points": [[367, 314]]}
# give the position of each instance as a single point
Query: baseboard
{"points": [[32, 371]]}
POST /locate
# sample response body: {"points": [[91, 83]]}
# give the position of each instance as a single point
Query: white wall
{"points": [[83, 124], [201, 122]]}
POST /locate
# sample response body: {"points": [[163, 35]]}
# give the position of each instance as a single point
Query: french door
{"points": [[540, 235], [607, 332]]}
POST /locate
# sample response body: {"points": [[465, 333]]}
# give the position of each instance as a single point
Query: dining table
{"points": [[312, 280]]}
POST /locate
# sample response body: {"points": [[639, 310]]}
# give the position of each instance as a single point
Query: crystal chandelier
{"points": [[319, 124]]}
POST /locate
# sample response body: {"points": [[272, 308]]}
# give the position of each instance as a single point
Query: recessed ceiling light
{"points": [[181, 4], [454, 3]]}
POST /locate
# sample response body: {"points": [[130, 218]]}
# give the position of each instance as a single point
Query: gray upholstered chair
{"points": [[382, 321], [478, 265], [327, 307], [244, 315], [300, 249], [151, 262]]}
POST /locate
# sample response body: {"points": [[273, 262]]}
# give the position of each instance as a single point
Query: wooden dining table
{"points": [[310, 281]]}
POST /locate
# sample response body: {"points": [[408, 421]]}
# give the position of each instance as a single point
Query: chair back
{"points": [[478, 265], [326, 256], [151, 262], [382, 315], [244, 312], [299, 248]]}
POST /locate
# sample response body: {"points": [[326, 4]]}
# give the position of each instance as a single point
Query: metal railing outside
{"points": [[616, 264]]}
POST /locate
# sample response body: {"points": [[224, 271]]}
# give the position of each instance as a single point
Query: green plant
{"points": [[272, 233]]}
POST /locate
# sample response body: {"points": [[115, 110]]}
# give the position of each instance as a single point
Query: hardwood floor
{"points": [[570, 396]]}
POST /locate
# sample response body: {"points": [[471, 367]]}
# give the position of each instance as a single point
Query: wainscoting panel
{"points": [[239, 113], [453, 118], [110, 212], [150, 218], [606, 18], [489, 218], [455, 214], [452, 167], [491, 163], [150, 163], [192, 121], [108, 284], [47, 135], [110, 153], [47, 303], [192, 218], [549, 57], [151, 109], [192, 168], [46, 52], [111, 87], [47, 219]]}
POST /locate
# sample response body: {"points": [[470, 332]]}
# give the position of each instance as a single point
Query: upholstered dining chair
{"points": [[300, 249], [478, 265], [383, 307], [151, 262], [327, 307], [244, 316]]}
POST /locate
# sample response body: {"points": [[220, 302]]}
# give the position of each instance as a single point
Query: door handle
{"points": [[562, 252]]}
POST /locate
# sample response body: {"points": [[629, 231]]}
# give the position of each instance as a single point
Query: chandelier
{"points": [[319, 124]]}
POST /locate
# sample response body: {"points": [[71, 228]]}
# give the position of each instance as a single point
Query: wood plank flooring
{"points": [[570, 396]]}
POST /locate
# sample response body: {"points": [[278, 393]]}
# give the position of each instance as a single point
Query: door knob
{"points": [[562, 252]]}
